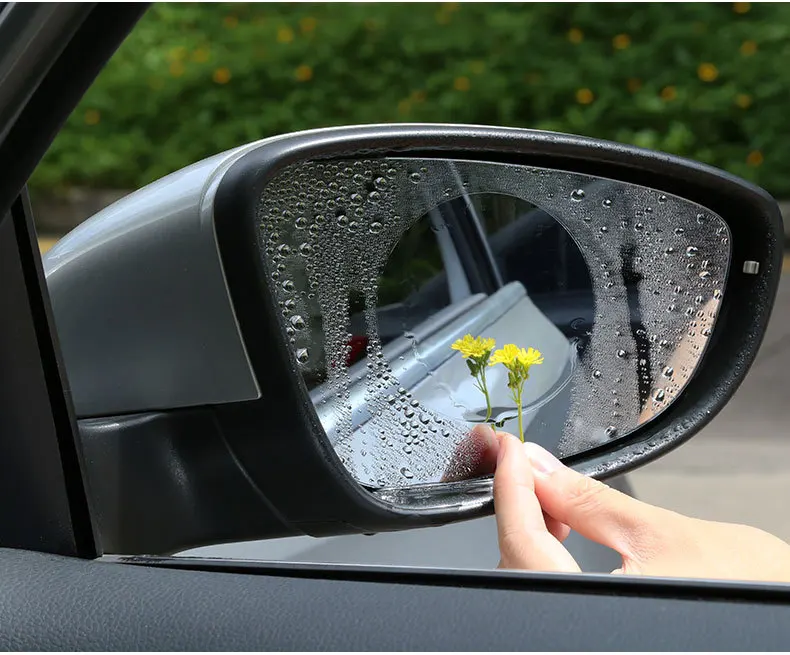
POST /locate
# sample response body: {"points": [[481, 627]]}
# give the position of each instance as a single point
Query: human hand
{"points": [[530, 484]]}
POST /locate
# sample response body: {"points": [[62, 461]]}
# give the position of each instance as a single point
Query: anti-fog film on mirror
{"points": [[424, 297]]}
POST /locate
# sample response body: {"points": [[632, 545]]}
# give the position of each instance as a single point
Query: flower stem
{"points": [[484, 389], [520, 414]]}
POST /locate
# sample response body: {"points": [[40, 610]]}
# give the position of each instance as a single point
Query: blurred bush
{"points": [[708, 81]]}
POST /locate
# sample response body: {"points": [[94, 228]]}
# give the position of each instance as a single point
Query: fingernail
{"points": [[542, 460], [505, 441]]}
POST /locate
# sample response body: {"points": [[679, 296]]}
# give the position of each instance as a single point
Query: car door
{"points": [[58, 592]]}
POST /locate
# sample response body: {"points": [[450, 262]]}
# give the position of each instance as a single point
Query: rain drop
{"points": [[658, 395], [607, 203], [302, 355], [692, 251], [406, 473], [577, 195], [297, 322], [415, 177], [375, 227]]}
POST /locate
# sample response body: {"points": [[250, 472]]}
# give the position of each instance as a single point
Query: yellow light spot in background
{"points": [[707, 72], [741, 7], [404, 107], [200, 55], [748, 48], [669, 93], [230, 22], [462, 83], [177, 53], [92, 117], [418, 96], [177, 69], [304, 73], [575, 35], [743, 100], [221, 76], [584, 96], [285, 34], [754, 158], [308, 24], [477, 67], [634, 84], [621, 41]]}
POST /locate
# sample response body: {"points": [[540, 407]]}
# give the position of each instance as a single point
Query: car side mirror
{"points": [[301, 335]]}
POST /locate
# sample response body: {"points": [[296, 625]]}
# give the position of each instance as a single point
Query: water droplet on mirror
{"points": [[668, 372], [701, 219], [375, 227], [607, 203], [717, 294], [611, 431], [300, 223], [692, 251], [658, 395], [621, 353], [662, 198], [408, 450], [577, 195], [306, 249], [297, 322], [406, 473], [302, 355], [679, 231], [415, 177], [596, 374]]}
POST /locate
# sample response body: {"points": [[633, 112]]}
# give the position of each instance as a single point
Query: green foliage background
{"points": [[708, 81]]}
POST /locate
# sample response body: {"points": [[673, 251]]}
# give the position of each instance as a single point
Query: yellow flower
{"points": [[748, 48], [575, 35], [303, 73], [92, 117], [741, 7], [517, 361], [754, 158], [221, 76], [200, 55], [707, 72], [308, 24], [285, 34], [743, 100], [461, 84], [669, 93], [584, 96], [621, 41], [512, 357], [470, 346]]}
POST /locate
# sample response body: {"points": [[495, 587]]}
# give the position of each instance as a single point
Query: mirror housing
{"points": [[196, 425]]}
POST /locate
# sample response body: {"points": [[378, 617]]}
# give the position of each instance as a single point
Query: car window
{"points": [[193, 80]]}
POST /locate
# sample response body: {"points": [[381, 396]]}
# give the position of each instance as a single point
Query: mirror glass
{"points": [[423, 297]]}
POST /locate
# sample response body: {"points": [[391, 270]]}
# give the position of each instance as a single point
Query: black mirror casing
{"points": [[299, 471]]}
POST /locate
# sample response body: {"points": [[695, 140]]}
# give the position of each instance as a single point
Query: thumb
{"points": [[524, 540], [593, 509]]}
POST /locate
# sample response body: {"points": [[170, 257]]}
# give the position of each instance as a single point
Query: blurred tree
{"points": [[707, 81]]}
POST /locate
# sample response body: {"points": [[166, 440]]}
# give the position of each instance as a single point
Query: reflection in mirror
{"points": [[424, 297]]}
